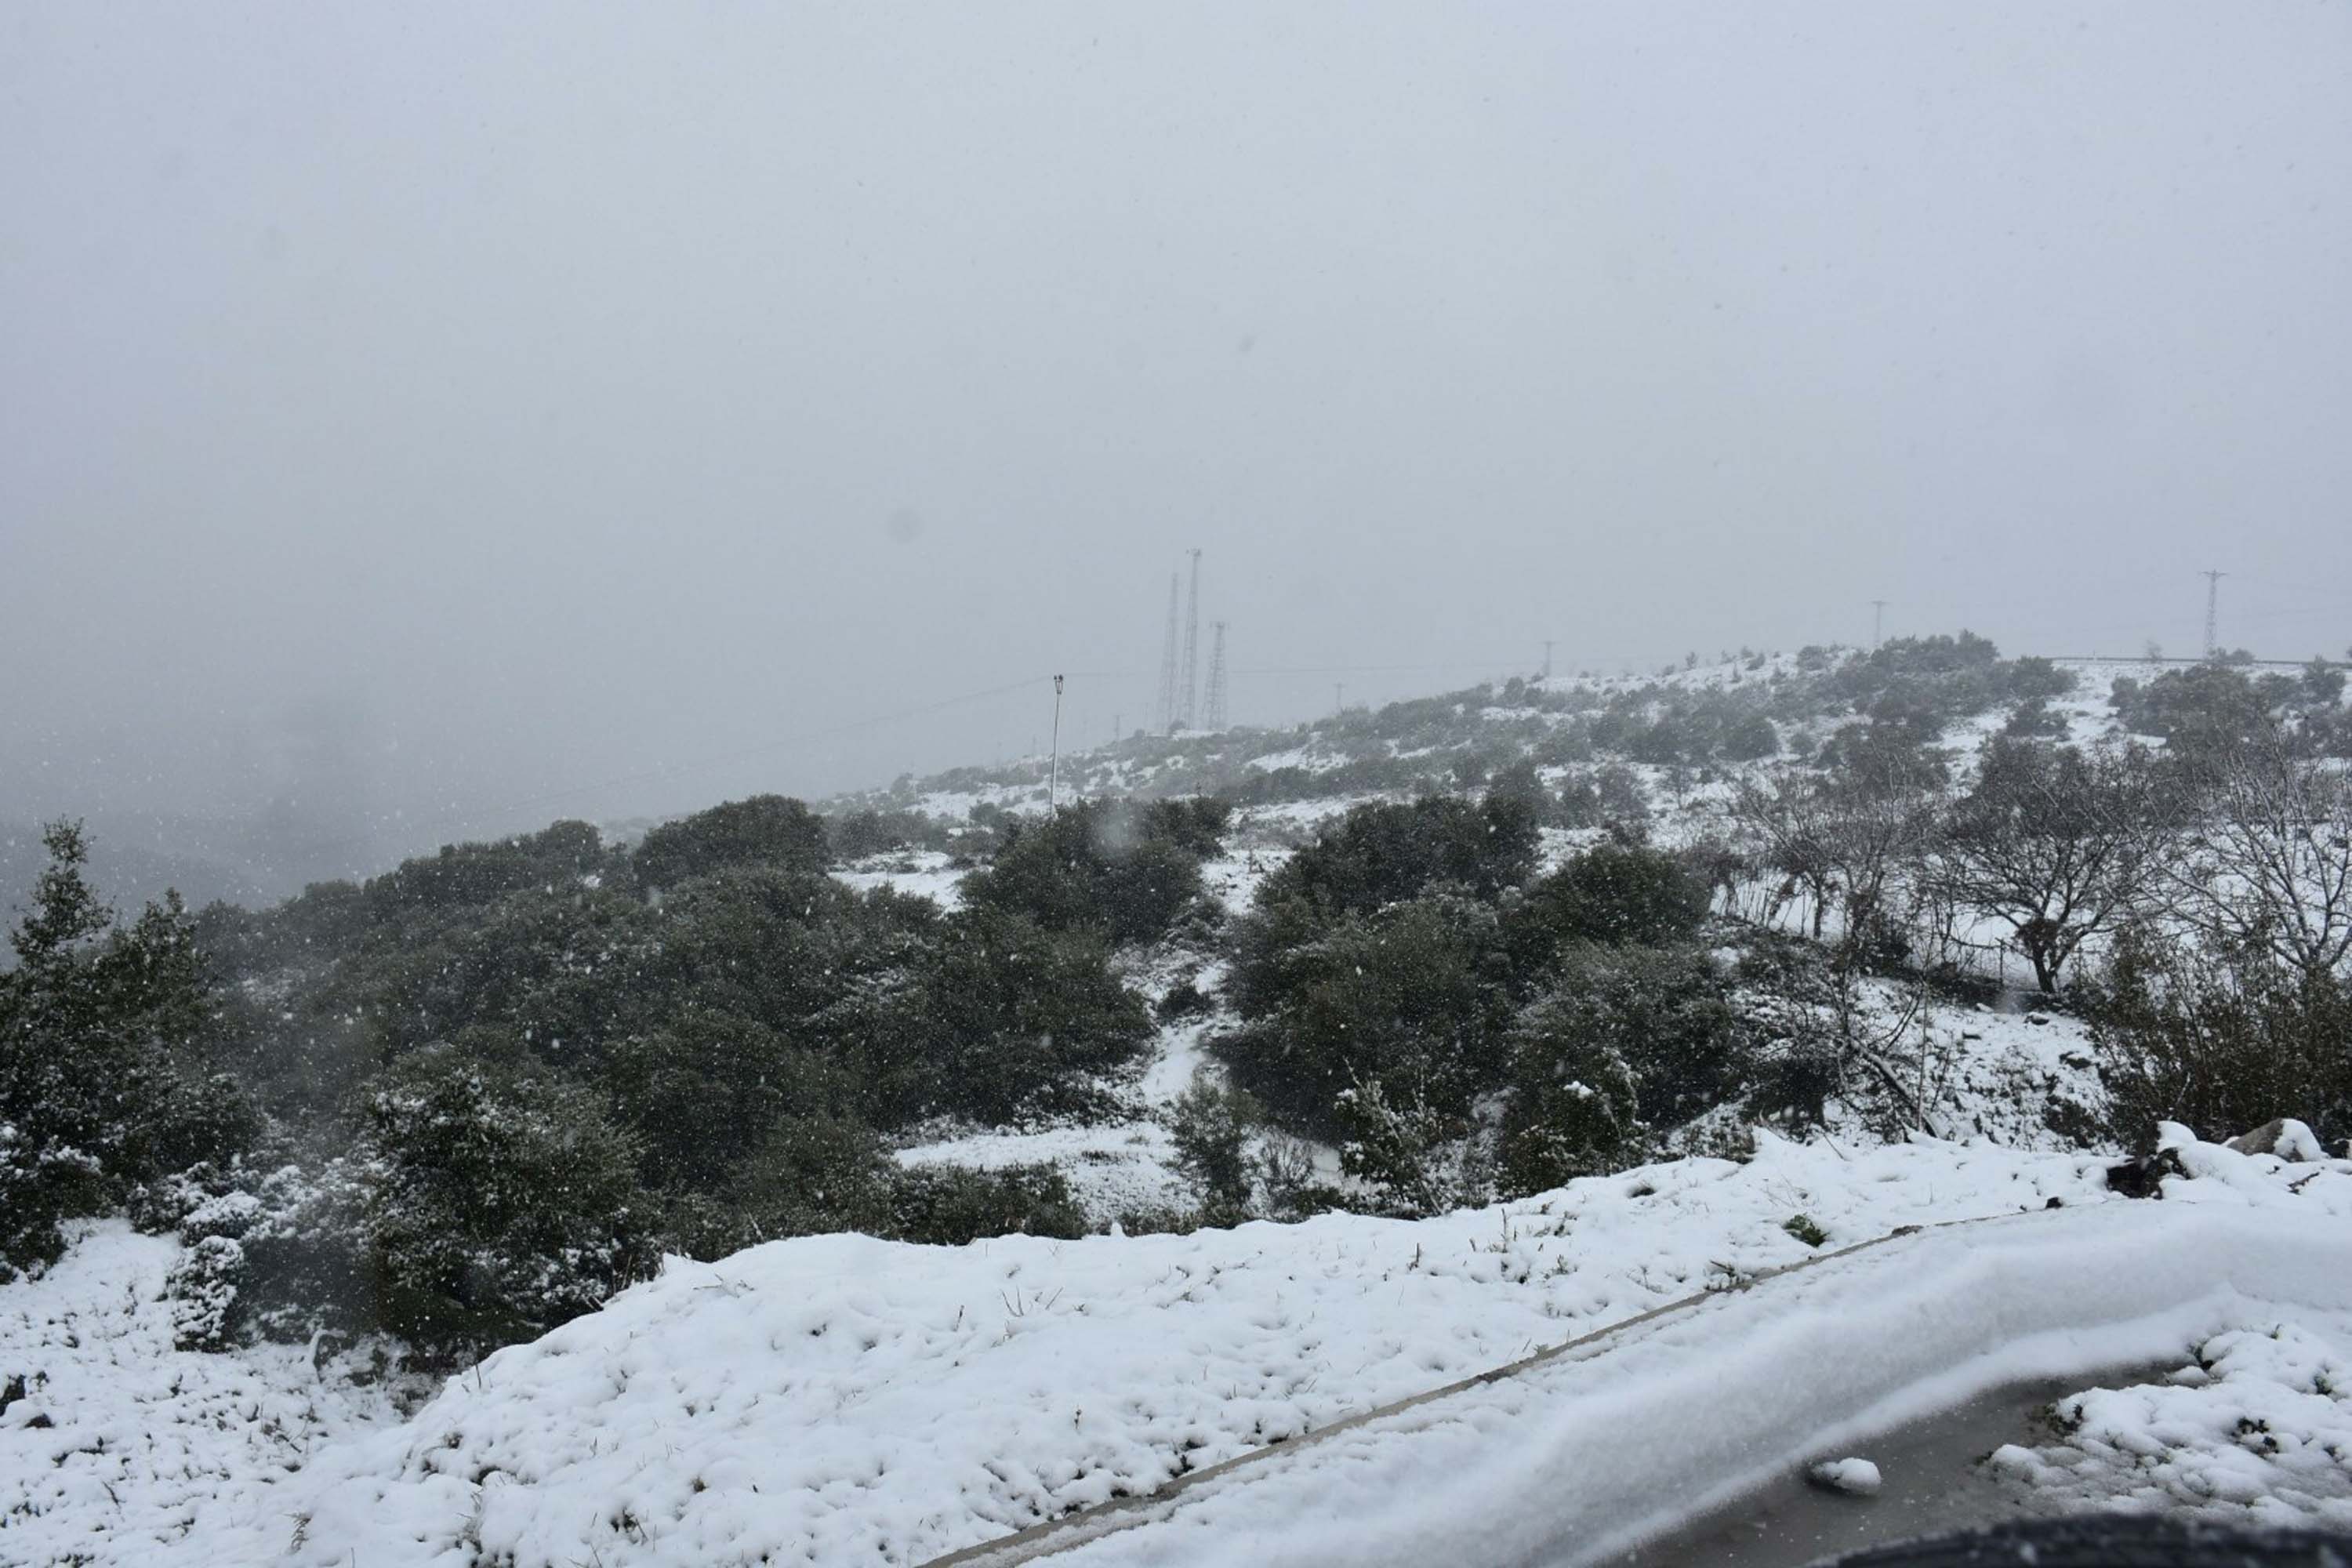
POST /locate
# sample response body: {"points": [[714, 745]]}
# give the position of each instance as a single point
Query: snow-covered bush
{"points": [[500, 1201], [1618, 893], [1014, 1016], [1412, 992], [1667, 1013], [272, 1255], [2221, 1043], [308, 1257], [1398, 1145], [1211, 1124], [1126, 870], [945, 1206], [1286, 1169], [203, 1289], [1572, 1107], [99, 1085]]}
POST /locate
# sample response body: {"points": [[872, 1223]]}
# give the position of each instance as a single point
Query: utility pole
{"points": [[1054, 775], [1339, 697], [2212, 608], [1548, 647], [1877, 623], [1192, 646]]}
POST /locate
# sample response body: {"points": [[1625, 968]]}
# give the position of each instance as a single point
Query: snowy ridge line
{"points": [[1672, 1419], [1088, 1524]]}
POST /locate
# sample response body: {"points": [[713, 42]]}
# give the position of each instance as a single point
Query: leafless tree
{"points": [[1847, 838], [2268, 864], [1878, 832], [1784, 822], [2056, 843]]}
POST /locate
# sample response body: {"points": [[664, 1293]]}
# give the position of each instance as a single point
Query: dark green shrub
{"points": [[2220, 1042], [945, 1205], [810, 1175], [705, 1092], [1749, 739], [1418, 992], [2036, 680], [1609, 796], [1380, 853], [501, 1201], [465, 875], [1573, 1110], [104, 1080], [1521, 789], [2032, 717], [1113, 868], [1395, 1144], [1014, 1017], [1184, 999], [1666, 1014], [765, 830], [1211, 1124], [1618, 893], [2206, 710]]}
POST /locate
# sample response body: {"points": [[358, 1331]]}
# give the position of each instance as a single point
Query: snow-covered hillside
{"points": [[116, 1448], [839, 1398]]}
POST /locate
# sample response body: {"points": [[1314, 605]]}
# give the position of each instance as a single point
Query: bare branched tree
{"points": [[2268, 863], [1878, 830], [1846, 838], [2056, 843], [1784, 822]]}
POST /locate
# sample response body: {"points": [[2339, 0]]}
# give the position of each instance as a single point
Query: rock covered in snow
{"points": [[2285, 1137], [1857, 1477]]}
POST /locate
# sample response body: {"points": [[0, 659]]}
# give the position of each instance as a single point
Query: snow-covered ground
{"points": [[115, 1447], [840, 1398], [1574, 1459], [2254, 1426], [1113, 1168], [924, 873]]}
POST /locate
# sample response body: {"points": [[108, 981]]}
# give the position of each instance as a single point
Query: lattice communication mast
{"points": [[1191, 695], [1214, 715], [1163, 715]]}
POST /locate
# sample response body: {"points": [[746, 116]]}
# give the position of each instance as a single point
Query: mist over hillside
{"points": [[1192, 785]]}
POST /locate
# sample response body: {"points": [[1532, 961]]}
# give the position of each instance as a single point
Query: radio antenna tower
{"points": [[1163, 715], [1192, 646], [2212, 608], [1214, 718]]}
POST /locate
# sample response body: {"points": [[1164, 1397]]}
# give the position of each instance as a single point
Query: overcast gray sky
{"points": [[423, 408]]}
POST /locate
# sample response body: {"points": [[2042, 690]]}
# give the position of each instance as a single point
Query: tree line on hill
{"points": [[475, 1095], [468, 1099]]}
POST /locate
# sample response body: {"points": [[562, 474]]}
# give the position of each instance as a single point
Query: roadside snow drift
{"points": [[842, 1399], [838, 1399], [1578, 1459]]}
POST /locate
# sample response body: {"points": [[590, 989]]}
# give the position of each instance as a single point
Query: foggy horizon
{"points": [[421, 423]]}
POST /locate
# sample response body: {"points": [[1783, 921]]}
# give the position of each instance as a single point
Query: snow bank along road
{"points": [[1579, 1456], [837, 1399]]}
